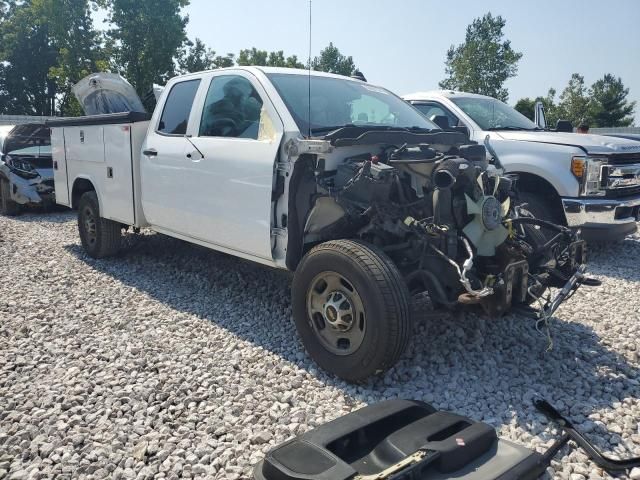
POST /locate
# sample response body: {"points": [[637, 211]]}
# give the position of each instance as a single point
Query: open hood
{"points": [[101, 93], [593, 144]]}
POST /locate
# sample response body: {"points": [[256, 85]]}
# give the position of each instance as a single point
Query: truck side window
{"points": [[432, 110], [233, 108], [177, 108]]}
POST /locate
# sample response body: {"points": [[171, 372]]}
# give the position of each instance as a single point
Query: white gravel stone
{"points": [[192, 355]]}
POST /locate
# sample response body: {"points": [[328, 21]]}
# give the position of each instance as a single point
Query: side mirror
{"points": [[462, 129], [540, 119], [442, 121], [564, 126]]}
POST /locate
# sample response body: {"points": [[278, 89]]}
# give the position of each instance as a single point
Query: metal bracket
{"points": [[418, 457], [283, 167], [279, 232], [572, 433], [299, 146]]}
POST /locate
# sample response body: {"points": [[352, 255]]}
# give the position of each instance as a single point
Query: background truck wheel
{"points": [[351, 308], [542, 208], [100, 237], [7, 206]]}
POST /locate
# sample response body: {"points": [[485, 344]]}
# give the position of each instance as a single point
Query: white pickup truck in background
{"points": [[591, 182], [340, 181]]}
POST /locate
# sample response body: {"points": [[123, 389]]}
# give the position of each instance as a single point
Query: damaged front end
{"points": [[26, 168], [448, 219]]}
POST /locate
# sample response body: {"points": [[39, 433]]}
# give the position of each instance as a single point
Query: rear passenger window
{"points": [[177, 108], [233, 108], [431, 111]]}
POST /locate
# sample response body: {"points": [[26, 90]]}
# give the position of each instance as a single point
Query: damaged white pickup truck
{"points": [[340, 181]]}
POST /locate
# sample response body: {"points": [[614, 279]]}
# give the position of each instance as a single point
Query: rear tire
{"points": [[351, 308], [8, 207], [100, 237]]}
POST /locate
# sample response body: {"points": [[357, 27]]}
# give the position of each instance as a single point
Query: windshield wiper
{"points": [[493, 129], [332, 128], [370, 127], [419, 129]]}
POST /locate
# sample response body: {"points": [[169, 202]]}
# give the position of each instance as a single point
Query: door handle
{"points": [[151, 152]]}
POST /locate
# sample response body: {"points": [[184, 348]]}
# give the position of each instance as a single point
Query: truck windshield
{"points": [[29, 140], [336, 103], [492, 114]]}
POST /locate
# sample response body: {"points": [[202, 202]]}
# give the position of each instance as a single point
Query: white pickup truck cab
{"points": [[591, 182], [340, 181]]}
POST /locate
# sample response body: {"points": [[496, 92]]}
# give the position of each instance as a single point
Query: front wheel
{"points": [[351, 309], [542, 207], [100, 237]]}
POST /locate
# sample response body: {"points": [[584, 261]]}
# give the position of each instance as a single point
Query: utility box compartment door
{"points": [[84, 143], [60, 179], [118, 203]]}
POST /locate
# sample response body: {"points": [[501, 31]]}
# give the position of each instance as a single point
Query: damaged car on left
{"points": [[26, 169]]}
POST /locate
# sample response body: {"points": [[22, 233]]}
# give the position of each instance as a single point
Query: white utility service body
{"points": [[105, 154]]}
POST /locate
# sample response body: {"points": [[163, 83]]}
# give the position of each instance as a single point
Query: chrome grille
{"points": [[624, 158], [620, 180]]}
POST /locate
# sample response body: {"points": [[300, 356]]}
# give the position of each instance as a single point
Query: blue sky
{"points": [[401, 44]]}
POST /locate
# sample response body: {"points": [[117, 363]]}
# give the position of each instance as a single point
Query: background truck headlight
{"points": [[588, 171]]}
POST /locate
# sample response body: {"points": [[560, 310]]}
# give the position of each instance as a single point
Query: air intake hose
{"points": [[444, 177]]}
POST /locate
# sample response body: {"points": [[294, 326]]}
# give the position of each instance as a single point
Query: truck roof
{"points": [[440, 94], [282, 70]]}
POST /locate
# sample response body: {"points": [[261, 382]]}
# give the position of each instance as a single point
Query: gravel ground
{"points": [[174, 361]]}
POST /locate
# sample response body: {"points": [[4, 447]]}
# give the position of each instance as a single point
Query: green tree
{"points": [[78, 44], [277, 59], [48, 45], [27, 55], [196, 57], [332, 61], [225, 61], [526, 106], [575, 101], [145, 38], [609, 106], [252, 56], [263, 58], [484, 61]]}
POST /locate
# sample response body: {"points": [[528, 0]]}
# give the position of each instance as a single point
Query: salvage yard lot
{"points": [[174, 361]]}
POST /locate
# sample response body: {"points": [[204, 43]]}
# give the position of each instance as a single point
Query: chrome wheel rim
{"points": [[90, 227], [336, 313]]}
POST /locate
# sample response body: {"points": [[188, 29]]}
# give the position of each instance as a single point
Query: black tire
{"points": [[100, 237], [385, 323], [542, 208], [8, 207]]}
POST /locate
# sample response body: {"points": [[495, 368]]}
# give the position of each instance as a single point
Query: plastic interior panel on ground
{"points": [[400, 439]]}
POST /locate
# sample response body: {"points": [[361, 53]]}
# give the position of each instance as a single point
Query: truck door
{"points": [[239, 134], [165, 196], [208, 166]]}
